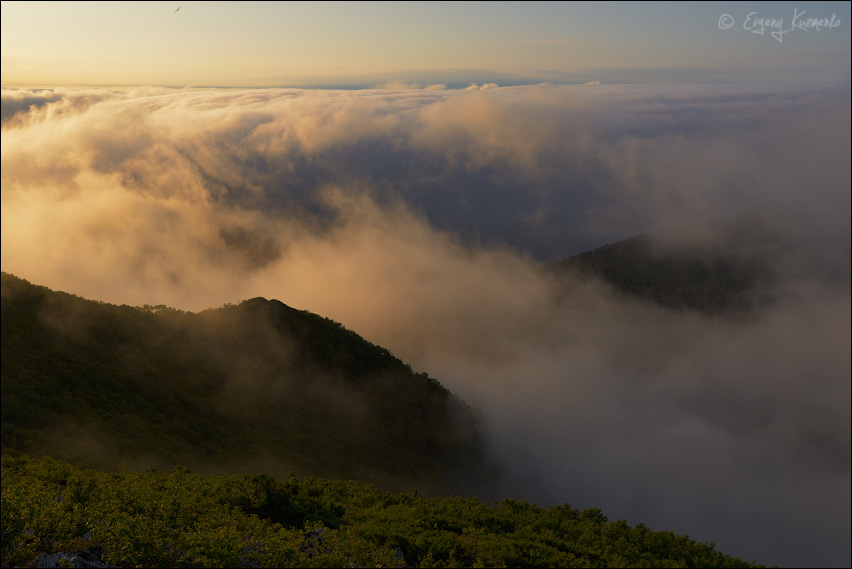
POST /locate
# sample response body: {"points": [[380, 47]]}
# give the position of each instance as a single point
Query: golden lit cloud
{"points": [[419, 219]]}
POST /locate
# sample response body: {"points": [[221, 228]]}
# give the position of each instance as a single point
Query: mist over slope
{"points": [[721, 280], [420, 220], [254, 386]]}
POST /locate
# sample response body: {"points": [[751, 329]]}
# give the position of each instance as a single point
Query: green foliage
{"points": [[254, 383], [177, 518]]}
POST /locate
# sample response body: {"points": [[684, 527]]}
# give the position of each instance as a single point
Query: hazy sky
{"points": [[253, 44], [456, 148]]}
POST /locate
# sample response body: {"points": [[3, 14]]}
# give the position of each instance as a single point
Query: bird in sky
{"points": [[179, 7]]}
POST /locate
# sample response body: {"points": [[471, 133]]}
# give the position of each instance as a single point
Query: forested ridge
{"points": [[258, 385]]}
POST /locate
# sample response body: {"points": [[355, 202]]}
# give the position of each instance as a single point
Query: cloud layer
{"points": [[419, 218]]}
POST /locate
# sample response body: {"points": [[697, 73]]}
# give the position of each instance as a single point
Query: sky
{"points": [[354, 44], [407, 170]]}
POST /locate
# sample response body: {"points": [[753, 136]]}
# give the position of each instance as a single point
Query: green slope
{"points": [[254, 386], [180, 519]]}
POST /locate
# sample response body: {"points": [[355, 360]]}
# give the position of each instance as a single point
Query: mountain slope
{"points": [[709, 281], [257, 385]]}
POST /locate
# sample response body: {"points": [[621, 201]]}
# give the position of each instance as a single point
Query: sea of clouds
{"points": [[420, 218]]}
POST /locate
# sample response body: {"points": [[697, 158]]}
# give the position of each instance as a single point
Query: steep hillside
{"points": [[247, 387]]}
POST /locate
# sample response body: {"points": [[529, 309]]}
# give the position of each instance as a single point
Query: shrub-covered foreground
{"points": [[179, 518]]}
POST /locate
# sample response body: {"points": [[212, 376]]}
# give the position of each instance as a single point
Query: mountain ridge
{"points": [[710, 280], [258, 383]]}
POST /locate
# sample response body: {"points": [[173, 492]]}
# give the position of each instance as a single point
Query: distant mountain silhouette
{"points": [[707, 280]]}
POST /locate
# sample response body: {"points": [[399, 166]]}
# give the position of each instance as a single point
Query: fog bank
{"points": [[419, 218]]}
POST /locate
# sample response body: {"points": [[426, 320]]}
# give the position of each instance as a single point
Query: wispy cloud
{"points": [[483, 87], [404, 86]]}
